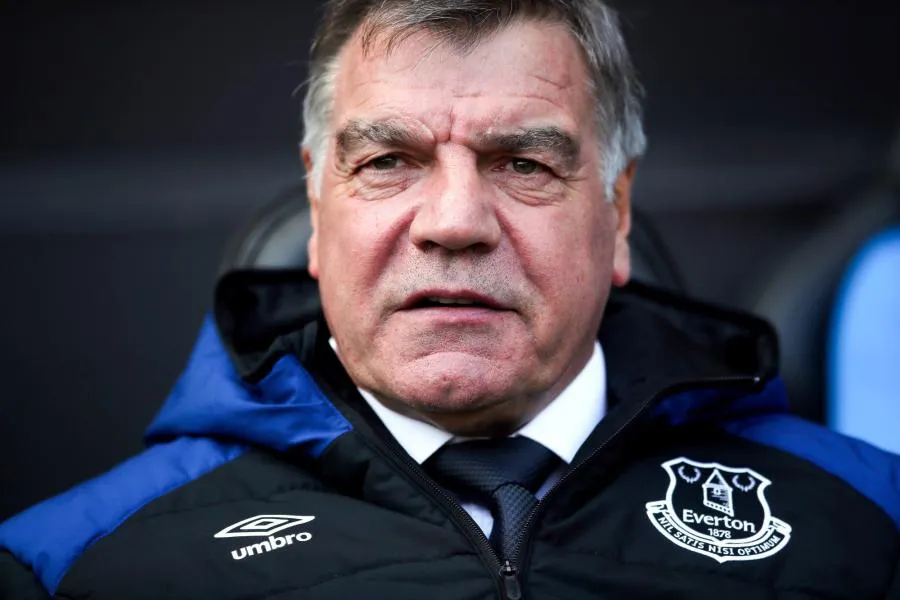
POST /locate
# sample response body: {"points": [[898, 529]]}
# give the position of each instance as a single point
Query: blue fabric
{"points": [[49, 537], [721, 404], [873, 472], [283, 410], [864, 350]]}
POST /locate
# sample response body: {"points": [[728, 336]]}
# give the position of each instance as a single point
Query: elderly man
{"points": [[449, 423]]}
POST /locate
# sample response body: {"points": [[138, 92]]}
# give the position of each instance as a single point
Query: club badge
{"points": [[718, 511]]}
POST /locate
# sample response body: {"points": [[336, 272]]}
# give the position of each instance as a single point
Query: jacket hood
{"points": [[245, 380]]}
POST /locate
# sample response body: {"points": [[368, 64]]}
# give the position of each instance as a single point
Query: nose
{"points": [[457, 212]]}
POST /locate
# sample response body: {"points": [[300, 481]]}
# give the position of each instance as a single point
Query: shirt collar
{"points": [[418, 438], [565, 424], [562, 426]]}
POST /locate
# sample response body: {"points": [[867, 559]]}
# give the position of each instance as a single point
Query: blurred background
{"points": [[138, 137]]}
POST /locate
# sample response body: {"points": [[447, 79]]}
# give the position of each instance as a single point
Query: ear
{"points": [[622, 205], [312, 194]]}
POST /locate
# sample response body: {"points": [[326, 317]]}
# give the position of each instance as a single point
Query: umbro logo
{"points": [[265, 526]]}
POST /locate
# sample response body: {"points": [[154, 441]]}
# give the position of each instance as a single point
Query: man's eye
{"points": [[523, 166], [384, 163]]}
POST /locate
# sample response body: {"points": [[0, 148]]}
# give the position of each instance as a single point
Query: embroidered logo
{"points": [[718, 511], [265, 526]]}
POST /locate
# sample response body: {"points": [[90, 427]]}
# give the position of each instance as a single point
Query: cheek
{"points": [[347, 274], [342, 273], [355, 243], [568, 250]]}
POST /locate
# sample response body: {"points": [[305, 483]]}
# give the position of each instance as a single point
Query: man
{"points": [[451, 424]]}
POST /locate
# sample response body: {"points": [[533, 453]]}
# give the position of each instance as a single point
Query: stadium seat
{"points": [[802, 296], [863, 364]]}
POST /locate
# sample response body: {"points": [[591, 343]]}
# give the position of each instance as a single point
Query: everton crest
{"points": [[718, 511]]}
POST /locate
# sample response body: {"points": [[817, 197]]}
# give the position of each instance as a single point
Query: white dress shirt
{"points": [[562, 427]]}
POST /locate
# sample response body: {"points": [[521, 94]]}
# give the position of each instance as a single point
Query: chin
{"points": [[447, 385], [473, 414], [455, 401]]}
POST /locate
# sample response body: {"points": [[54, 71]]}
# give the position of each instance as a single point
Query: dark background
{"points": [[138, 136]]}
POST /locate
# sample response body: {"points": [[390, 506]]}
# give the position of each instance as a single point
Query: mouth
{"points": [[451, 299]]}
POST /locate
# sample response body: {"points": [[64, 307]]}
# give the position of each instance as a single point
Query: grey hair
{"points": [[463, 23]]}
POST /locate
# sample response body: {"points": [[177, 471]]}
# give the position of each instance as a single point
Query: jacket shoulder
{"points": [[49, 537], [871, 471]]}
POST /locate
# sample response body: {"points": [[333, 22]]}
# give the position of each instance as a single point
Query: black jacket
{"points": [[267, 476]]}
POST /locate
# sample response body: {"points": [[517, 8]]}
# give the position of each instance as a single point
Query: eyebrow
{"points": [[388, 132], [550, 139]]}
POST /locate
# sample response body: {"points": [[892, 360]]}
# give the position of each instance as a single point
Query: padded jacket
{"points": [[268, 477]]}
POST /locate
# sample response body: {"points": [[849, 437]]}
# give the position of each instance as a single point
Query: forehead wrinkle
{"points": [[560, 85]]}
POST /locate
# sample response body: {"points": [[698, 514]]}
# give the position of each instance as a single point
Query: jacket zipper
{"points": [[507, 573], [510, 576], [505, 568], [508, 567]]}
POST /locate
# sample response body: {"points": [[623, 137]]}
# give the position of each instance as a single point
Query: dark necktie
{"points": [[503, 474]]}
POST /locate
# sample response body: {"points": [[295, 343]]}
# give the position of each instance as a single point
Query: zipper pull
{"points": [[510, 577]]}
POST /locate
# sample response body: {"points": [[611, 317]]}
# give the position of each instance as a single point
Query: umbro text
{"points": [[273, 543]]}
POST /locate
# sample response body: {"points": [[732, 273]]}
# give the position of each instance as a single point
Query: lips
{"points": [[435, 298]]}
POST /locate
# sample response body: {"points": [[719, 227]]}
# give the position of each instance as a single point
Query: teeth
{"points": [[450, 300]]}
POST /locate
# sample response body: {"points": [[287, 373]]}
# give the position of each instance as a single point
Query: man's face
{"points": [[461, 239]]}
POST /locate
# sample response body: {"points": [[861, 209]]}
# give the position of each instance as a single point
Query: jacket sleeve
{"points": [[18, 582]]}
